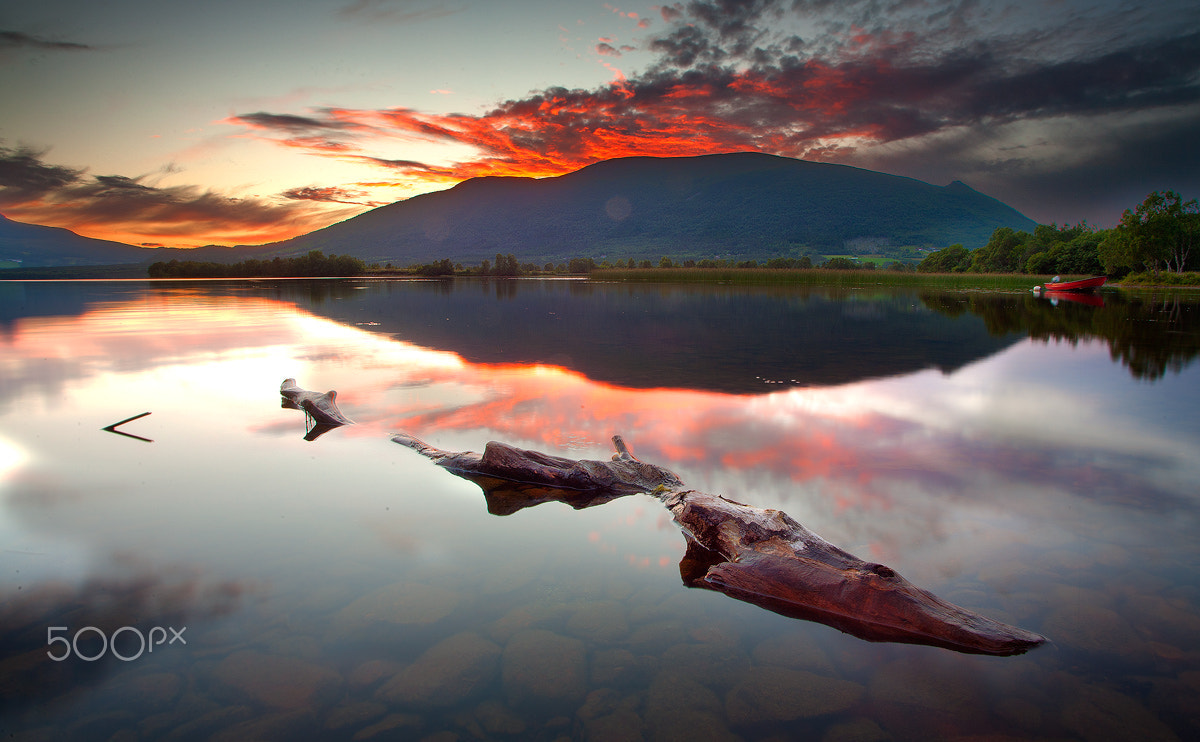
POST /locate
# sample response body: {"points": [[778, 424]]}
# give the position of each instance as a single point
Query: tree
{"points": [[506, 265], [1159, 232], [581, 265], [953, 259], [1064, 250], [1005, 252]]}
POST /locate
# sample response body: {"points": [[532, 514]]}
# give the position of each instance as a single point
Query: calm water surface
{"points": [[1034, 461]]}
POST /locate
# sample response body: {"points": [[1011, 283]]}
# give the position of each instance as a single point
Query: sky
{"points": [[186, 124]]}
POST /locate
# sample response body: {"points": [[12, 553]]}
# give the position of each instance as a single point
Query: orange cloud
{"points": [[135, 211]]}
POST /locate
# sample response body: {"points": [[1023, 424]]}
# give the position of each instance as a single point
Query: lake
{"points": [[214, 570]]}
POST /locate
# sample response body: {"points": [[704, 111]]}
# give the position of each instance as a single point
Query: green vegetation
{"points": [[314, 264], [822, 277], [1049, 250], [74, 272], [1158, 234], [1156, 237], [1191, 278]]}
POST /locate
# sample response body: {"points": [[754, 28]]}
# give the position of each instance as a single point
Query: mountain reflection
{"points": [[670, 336], [654, 336], [658, 336]]}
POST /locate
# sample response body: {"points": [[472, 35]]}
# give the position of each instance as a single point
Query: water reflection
{"points": [[762, 557], [1023, 474], [1150, 334], [653, 337], [120, 612]]}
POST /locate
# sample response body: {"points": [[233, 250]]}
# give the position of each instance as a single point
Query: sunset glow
{"points": [[261, 141]]}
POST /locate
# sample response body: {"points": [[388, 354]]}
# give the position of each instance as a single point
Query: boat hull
{"points": [[1087, 284]]}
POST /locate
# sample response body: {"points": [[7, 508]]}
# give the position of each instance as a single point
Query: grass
{"points": [[822, 277], [1191, 278], [73, 272]]}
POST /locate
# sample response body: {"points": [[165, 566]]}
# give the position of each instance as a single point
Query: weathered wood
{"points": [[321, 409], [760, 556], [757, 555]]}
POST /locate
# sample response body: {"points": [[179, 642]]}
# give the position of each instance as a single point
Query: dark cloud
{"points": [[607, 50], [970, 86], [328, 194], [289, 122], [18, 40], [23, 173]]}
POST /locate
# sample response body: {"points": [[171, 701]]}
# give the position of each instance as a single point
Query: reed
{"points": [[824, 277]]}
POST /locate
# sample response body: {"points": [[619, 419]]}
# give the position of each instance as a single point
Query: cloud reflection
{"points": [[143, 598], [885, 467], [853, 444]]}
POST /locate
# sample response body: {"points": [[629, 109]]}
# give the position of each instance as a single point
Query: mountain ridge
{"points": [[750, 205], [744, 205]]}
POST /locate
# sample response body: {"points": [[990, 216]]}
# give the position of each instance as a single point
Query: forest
{"points": [[1153, 240]]}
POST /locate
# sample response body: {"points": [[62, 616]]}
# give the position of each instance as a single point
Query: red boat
{"points": [[1086, 284]]}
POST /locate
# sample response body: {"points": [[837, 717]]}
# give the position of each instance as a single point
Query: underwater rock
{"points": [[351, 715], [148, 692], [796, 652], [544, 669], [496, 718], [280, 682], [393, 726], [780, 694], [905, 685], [608, 716], [210, 723], [601, 621], [717, 666], [1100, 714], [391, 611], [856, 730], [1093, 629], [620, 667], [448, 673], [279, 727], [371, 672], [679, 709]]}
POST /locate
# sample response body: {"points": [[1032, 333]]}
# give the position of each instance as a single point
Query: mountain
{"points": [[34, 246], [744, 205]]}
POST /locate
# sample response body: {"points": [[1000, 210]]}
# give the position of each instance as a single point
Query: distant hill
{"points": [[34, 245], [744, 205], [25, 246]]}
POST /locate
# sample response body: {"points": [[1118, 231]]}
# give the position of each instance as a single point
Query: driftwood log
{"points": [[760, 556], [320, 409]]}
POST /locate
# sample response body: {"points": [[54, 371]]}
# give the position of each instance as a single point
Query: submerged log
{"points": [[760, 556], [756, 555], [321, 409]]}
